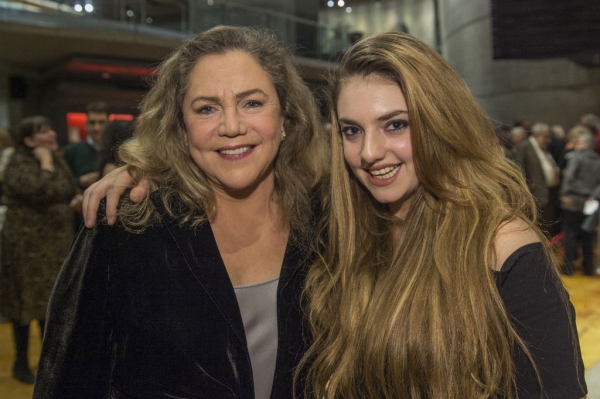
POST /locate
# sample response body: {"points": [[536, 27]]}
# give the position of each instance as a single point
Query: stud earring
{"points": [[282, 135]]}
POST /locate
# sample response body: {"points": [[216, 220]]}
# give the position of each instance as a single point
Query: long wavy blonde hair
{"points": [[410, 308], [159, 149]]}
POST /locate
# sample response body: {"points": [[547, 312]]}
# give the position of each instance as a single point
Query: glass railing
{"points": [[306, 37]]}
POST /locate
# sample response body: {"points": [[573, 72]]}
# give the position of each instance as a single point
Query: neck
{"points": [[248, 211]]}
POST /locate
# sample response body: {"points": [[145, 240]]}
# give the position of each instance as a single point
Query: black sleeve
{"points": [[543, 316], [77, 354]]}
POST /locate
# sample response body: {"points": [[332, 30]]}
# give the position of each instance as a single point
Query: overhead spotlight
{"points": [[89, 8], [210, 2], [330, 3], [129, 13], [341, 3], [149, 20], [77, 7], [348, 10]]}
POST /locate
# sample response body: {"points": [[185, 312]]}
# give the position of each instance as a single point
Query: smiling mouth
{"points": [[236, 151], [384, 173]]}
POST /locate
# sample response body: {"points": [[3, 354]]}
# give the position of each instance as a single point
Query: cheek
{"points": [[350, 154]]}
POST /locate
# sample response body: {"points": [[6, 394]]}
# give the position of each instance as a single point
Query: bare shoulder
{"points": [[511, 236]]}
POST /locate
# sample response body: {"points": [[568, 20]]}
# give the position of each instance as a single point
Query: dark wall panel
{"points": [[547, 29]]}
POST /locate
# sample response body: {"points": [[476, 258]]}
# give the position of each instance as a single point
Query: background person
{"points": [[82, 157], [196, 292], [542, 175], [37, 233], [581, 181], [7, 148], [115, 134]]}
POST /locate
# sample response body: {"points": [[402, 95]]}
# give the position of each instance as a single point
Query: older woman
{"points": [[38, 231], [195, 292]]}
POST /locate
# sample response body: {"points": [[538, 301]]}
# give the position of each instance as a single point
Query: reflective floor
{"points": [[584, 291]]}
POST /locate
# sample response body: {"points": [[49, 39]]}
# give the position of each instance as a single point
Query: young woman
{"points": [[436, 282]]}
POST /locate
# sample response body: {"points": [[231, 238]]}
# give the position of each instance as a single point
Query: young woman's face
{"points": [[233, 121], [45, 137], [374, 122]]}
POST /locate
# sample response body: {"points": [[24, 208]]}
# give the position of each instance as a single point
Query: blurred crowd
{"points": [[562, 168]]}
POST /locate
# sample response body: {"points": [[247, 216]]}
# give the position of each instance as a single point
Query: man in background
{"points": [[542, 175], [82, 157]]}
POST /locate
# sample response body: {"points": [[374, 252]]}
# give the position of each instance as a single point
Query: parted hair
{"points": [[97, 106], [159, 149], [409, 308], [30, 126]]}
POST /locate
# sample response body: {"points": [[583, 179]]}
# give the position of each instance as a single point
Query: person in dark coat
{"points": [[581, 182], [37, 233], [195, 292]]}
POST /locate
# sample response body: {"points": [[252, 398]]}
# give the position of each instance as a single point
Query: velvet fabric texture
{"points": [[154, 315]]}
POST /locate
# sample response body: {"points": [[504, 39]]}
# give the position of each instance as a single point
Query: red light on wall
{"points": [[76, 124], [113, 70]]}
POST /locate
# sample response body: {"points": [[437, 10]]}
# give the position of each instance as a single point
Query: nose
{"points": [[373, 147], [232, 123]]}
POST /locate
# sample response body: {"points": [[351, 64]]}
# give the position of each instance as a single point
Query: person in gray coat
{"points": [[581, 182]]}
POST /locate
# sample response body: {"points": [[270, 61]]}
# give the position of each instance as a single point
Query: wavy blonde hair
{"points": [[410, 309], [159, 149]]}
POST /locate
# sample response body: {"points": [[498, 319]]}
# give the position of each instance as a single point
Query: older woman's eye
{"points": [[207, 109], [254, 104]]}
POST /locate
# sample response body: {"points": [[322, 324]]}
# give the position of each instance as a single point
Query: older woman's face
{"points": [[233, 122], [45, 137], [374, 122]]}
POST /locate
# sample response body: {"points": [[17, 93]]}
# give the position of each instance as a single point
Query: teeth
{"points": [[237, 151], [384, 173]]}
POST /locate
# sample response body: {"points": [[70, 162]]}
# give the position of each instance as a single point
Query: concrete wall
{"points": [[556, 91]]}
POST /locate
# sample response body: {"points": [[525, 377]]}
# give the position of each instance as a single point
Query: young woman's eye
{"points": [[397, 125], [349, 131]]}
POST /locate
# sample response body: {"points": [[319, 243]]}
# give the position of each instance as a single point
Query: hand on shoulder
{"points": [[511, 236]]}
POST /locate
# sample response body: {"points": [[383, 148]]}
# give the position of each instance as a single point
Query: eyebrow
{"points": [[382, 118], [237, 96]]}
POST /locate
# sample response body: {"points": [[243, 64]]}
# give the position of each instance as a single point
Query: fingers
{"points": [[91, 200], [112, 186], [139, 192]]}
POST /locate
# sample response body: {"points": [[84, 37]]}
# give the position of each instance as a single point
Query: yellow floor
{"points": [[585, 295], [584, 292], [9, 387]]}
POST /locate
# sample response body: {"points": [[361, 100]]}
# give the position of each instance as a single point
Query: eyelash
{"points": [[403, 124], [208, 109], [205, 109], [253, 103], [346, 131], [350, 131]]}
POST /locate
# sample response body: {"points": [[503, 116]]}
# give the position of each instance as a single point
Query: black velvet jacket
{"points": [[154, 315]]}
